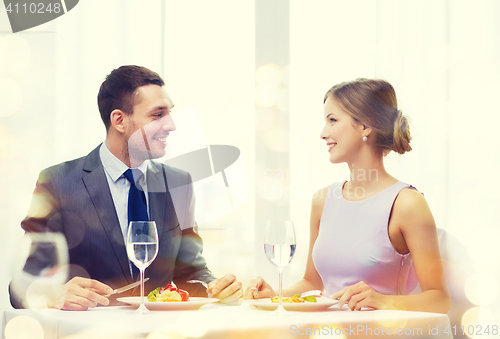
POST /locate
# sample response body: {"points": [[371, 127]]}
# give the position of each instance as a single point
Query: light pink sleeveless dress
{"points": [[353, 243]]}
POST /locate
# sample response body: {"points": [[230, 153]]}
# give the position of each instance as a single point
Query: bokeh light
{"points": [[478, 318], [470, 318], [41, 292], [15, 53], [481, 288], [40, 207], [268, 74], [23, 327], [11, 97]]}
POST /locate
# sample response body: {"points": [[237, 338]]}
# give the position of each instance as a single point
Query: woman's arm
{"points": [[311, 279], [411, 228], [259, 288], [418, 228]]}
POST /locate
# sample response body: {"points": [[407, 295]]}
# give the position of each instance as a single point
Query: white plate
{"points": [[320, 305], [193, 303]]}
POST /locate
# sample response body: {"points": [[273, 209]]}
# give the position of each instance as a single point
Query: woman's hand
{"points": [[259, 288], [361, 295]]}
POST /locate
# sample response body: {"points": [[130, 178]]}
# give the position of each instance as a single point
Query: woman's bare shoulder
{"points": [[411, 208], [319, 197], [409, 199]]}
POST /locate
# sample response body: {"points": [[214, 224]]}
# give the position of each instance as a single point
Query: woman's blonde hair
{"points": [[373, 103]]}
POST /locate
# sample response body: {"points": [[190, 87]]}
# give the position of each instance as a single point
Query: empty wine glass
{"points": [[142, 248], [40, 269], [279, 245]]}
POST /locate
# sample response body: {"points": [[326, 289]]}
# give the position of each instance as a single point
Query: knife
{"points": [[127, 287]]}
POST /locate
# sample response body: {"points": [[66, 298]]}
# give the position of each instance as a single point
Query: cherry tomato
{"points": [[170, 287], [184, 294]]}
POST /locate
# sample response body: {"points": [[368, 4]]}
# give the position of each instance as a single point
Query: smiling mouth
{"points": [[161, 140], [331, 146]]}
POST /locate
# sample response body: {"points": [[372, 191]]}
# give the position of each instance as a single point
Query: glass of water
{"points": [[279, 245], [142, 248], [41, 269]]}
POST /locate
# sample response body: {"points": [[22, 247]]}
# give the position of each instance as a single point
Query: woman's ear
{"points": [[117, 120], [367, 130]]}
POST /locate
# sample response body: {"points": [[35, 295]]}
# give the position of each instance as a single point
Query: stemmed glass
{"points": [[41, 269], [142, 248], [279, 245]]}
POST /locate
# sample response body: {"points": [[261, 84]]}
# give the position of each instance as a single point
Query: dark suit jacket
{"points": [[77, 198]]}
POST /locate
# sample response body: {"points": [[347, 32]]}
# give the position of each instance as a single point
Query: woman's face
{"points": [[343, 135]]}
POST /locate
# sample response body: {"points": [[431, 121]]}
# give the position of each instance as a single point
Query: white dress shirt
{"points": [[119, 185]]}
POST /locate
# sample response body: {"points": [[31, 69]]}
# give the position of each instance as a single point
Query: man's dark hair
{"points": [[117, 91]]}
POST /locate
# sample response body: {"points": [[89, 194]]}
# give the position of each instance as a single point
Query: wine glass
{"points": [[142, 248], [279, 246], [40, 269]]}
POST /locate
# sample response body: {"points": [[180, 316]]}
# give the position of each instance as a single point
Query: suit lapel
{"points": [[94, 179], [161, 208], [157, 195]]}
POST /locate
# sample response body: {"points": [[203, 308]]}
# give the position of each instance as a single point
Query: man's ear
{"points": [[117, 120]]}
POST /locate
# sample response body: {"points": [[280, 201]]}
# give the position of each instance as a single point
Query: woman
{"points": [[366, 232]]}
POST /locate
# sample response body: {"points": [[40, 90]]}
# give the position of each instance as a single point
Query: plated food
{"points": [[193, 303], [321, 304], [168, 293], [295, 299], [169, 298]]}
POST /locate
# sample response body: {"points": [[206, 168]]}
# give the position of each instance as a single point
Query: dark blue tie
{"points": [[137, 208]]}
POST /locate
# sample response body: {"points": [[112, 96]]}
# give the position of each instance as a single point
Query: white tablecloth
{"points": [[220, 321]]}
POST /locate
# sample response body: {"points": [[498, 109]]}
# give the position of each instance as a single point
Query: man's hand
{"points": [[228, 289], [79, 294]]}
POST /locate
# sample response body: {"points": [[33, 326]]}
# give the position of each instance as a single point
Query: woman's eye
{"points": [[333, 120]]}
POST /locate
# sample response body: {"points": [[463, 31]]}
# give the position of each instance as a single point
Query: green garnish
{"points": [[311, 299], [153, 293]]}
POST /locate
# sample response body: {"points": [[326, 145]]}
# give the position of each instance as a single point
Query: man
{"points": [[87, 200]]}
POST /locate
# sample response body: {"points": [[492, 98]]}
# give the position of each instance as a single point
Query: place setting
{"points": [[279, 247], [142, 249]]}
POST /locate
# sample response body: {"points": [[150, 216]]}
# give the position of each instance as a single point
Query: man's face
{"points": [[149, 125]]}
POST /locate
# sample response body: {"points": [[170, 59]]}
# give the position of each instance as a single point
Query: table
{"points": [[221, 321]]}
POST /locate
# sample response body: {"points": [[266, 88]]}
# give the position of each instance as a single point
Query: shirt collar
{"points": [[114, 166]]}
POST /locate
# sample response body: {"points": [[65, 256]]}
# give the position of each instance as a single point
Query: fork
{"points": [[194, 281], [315, 293]]}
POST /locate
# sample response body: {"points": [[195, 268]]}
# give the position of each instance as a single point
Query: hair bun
{"points": [[402, 135]]}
